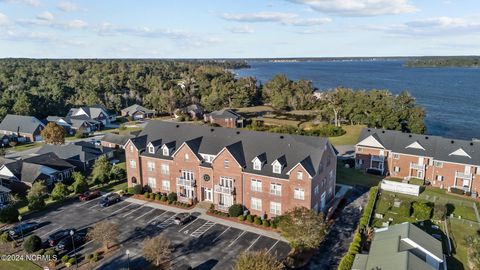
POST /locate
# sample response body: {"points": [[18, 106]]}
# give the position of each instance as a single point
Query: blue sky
{"points": [[246, 28]]}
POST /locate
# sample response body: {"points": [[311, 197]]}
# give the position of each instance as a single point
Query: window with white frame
{"points": [[186, 157], [277, 168], [256, 185], [316, 190], [151, 149], [131, 148], [150, 166], [396, 156], [165, 169], [133, 164], [166, 185], [438, 164], [152, 182], [275, 208], [397, 169], [276, 189], [256, 204], [478, 170], [257, 165], [165, 151], [225, 164], [299, 175], [299, 194], [439, 177]]}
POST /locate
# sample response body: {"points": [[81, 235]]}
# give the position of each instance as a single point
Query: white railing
{"points": [[417, 166], [463, 175], [185, 182], [184, 199], [400, 187], [223, 207], [222, 189], [378, 158]]}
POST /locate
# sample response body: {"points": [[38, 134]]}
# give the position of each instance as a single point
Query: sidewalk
{"points": [[204, 215]]}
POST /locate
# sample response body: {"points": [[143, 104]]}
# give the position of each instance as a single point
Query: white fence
{"points": [[400, 187]]}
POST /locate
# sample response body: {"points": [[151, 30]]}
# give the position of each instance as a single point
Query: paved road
{"points": [[337, 241]]}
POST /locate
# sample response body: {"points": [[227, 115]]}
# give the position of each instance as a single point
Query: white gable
{"points": [[276, 162], [415, 145], [79, 111], [371, 141], [460, 152], [4, 171]]}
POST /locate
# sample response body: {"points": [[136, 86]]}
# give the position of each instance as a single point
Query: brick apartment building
{"points": [[266, 172], [445, 163]]}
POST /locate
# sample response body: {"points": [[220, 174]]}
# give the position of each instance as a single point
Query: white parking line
{"points": [[157, 217], [153, 209], [184, 227], [83, 203], [95, 205], [253, 243], [167, 222], [133, 210], [58, 228], [220, 235], [203, 229], [272, 246], [244, 232], [116, 211]]}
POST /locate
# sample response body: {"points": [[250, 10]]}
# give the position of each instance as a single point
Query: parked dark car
{"points": [[57, 236], [66, 243], [183, 218], [24, 228], [89, 195], [110, 199]]}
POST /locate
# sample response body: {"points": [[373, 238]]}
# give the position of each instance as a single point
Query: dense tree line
{"points": [[444, 61], [52, 87]]}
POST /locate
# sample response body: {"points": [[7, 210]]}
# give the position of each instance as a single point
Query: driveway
{"points": [[337, 241]]}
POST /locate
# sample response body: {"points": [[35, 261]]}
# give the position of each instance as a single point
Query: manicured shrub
{"points": [[146, 195], [71, 261], [50, 253], [265, 223], [250, 218], [457, 191], [36, 203], [235, 210], [88, 257], [4, 237], [241, 218], [41, 251], [172, 197], [137, 189], [94, 257], [422, 211], [158, 196], [65, 258], [346, 262], [439, 212], [9, 214], [32, 244], [163, 198], [258, 221]]}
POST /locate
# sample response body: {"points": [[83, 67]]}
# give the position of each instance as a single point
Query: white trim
{"points": [[221, 151], [370, 141], [460, 152], [415, 245], [184, 143], [288, 173], [415, 145]]}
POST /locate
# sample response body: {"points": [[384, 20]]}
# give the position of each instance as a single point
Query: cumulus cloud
{"points": [[33, 3], [278, 17], [45, 16], [241, 29], [359, 7], [68, 6], [3, 19]]}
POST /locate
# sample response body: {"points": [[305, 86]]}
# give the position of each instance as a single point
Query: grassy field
{"points": [[458, 231], [349, 138], [18, 265], [350, 176], [255, 109], [23, 147]]}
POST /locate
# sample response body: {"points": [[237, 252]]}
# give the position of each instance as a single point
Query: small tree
{"points": [[105, 233], [32, 244], [9, 214], [36, 203], [53, 134], [235, 210], [303, 228], [101, 171], [422, 211], [36, 196], [157, 250], [439, 212], [80, 184], [60, 192], [172, 197], [258, 260], [117, 173]]}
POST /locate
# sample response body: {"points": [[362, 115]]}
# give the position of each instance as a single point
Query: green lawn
{"points": [[18, 265], [458, 231], [349, 138], [351, 176], [23, 147], [116, 186]]}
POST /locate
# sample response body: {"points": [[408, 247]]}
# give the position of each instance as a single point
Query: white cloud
{"points": [[3, 19], [278, 17], [76, 24], [73, 24], [68, 6], [33, 3], [241, 29], [45, 16], [359, 7]]}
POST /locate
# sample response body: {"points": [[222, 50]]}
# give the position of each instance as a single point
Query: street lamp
{"points": [[74, 250], [128, 258], [21, 228]]}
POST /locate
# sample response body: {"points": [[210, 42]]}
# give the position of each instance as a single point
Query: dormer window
{"points": [[277, 168], [186, 157], [257, 165], [165, 151], [299, 175], [151, 149]]}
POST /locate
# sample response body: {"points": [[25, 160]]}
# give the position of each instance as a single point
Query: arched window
{"points": [[134, 180]]}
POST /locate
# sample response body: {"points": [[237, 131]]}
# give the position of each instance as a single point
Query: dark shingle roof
{"points": [[437, 147], [225, 113], [243, 144], [136, 108], [24, 124], [81, 151], [116, 138]]}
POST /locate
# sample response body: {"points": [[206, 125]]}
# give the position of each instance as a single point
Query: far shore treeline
{"points": [[50, 87]]}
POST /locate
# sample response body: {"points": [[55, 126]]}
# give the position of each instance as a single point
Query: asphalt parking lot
{"points": [[200, 244]]}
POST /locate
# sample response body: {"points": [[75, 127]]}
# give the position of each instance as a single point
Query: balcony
{"points": [[222, 207], [184, 199], [463, 175], [378, 158], [185, 182], [416, 166], [224, 190]]}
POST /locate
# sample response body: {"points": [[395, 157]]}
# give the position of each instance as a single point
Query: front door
{"points": [[207, 194], [420, 174], [466, 183]]}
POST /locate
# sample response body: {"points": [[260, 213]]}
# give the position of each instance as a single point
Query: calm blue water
{"points": [[451, 96]]}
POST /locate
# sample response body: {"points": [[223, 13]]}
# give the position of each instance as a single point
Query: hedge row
{"points": [[170, 198]]}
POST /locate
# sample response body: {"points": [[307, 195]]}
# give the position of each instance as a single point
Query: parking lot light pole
{"points": [[21, 228], [74, 250], [128, 258]]}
